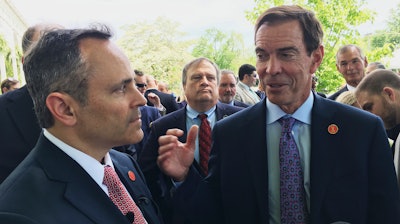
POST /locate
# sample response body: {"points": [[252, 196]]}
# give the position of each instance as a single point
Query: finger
{"points": [[174, 131], [191, 137]]}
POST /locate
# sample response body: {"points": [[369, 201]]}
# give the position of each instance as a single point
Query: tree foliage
{"points": [[157, 48], [225, 49], [6, 52], [339, 19], [384, 42]]}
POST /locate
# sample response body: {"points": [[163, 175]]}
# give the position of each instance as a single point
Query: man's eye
{"points": [[122, 88]]}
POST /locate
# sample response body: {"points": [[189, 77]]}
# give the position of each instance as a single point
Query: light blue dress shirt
{"points": [[302, 135], [192, 119]]}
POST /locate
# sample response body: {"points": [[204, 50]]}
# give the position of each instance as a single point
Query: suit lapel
{"points": [[256, 152], [80, 189], [323, 145]]}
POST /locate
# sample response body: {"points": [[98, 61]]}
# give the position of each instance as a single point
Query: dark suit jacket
{"points": [[240, 104], [158, 183], [352, 173], [336, 94], [50, 187], [19, 129], [167, 100]]}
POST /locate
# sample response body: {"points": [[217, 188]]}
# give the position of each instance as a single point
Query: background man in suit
{"points": [[200, 82], [85, 100], [166, 99], [227, 89], [248, 78], [344, 160], [379, 93], [19, 129], [351, 63]]}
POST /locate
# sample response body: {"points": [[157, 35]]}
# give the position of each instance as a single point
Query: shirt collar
{"points": [[191, 113], [350, 88], [303, 113], [93, 167]]}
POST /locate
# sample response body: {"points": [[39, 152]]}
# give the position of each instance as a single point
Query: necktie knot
{"points": [[287, 124], [202, 116]]}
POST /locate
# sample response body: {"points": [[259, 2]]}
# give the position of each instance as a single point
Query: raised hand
{"points": [[175, 157]]}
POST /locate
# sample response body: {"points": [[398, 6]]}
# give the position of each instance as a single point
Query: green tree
{"points": [[157, 48], [382, 43], [227, 50], [6, 52], [339, 19]]}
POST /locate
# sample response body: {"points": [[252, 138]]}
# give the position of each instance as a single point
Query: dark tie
{"points": [[120, 197], [204, 142], [292, 193]]}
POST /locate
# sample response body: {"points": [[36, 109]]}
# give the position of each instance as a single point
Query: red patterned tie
{"points": [[292, 193], [204, 142], [120, 197]]}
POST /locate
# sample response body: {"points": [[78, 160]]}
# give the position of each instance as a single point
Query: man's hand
{"points": [[155, 100], [175, 157]]}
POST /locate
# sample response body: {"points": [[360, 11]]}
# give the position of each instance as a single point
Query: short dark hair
{"points": [[245, 69], [312, 29], [374, 83], [7, 83], [138, 72], [55, 64]]}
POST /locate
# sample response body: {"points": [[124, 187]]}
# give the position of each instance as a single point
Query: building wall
{"points": [[12, 27]]}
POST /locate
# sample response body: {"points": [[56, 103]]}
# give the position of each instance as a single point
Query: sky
{"points": [[193, 16]]}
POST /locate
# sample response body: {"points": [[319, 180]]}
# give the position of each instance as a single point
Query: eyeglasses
{"points": [[141, 85]]}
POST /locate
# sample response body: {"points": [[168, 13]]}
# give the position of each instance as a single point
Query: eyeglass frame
{"points": [[141, 85]]}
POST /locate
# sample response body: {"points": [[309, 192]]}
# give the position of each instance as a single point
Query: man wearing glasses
{"points": [[247, 78]]}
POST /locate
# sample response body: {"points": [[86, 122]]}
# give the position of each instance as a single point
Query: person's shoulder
{"points": [[240, 104], [324, 105], [14, 95], [334, 95], [171, 117]]}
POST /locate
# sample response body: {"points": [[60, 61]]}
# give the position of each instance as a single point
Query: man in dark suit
{"points": [[166, 99], [227, 89], [19, 129], [351, 63], [200, 80], [344, 172], [86, 102]]}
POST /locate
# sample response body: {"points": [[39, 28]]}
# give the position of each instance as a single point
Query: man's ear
{"points": [[389, 93], [318, 56], [62, 108]]}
